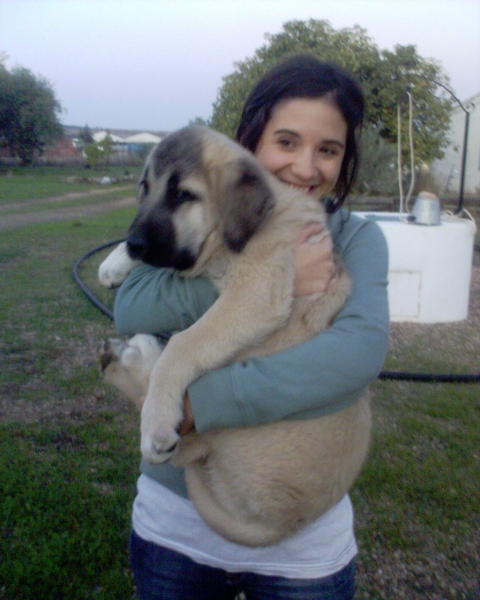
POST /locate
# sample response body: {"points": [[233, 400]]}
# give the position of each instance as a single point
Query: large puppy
{"points": [[207, 207]]}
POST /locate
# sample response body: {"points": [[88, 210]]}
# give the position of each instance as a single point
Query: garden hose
{"points": [[393, 375], [88, 293]]}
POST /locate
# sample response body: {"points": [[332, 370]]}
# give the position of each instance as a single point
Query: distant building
{"points": [[447, 171], [99, 136], [63, 150], [143, 138]]}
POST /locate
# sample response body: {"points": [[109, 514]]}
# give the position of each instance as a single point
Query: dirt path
{"points": [[62, 198], [60, 213]]}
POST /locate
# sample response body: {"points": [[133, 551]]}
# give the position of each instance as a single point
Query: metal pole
{"points": [[464, 161], [466, 109]]}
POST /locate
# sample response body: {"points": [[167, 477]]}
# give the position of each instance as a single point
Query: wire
{"points": [[394, 375], [412, 151], [404, 206], [399, 155]]}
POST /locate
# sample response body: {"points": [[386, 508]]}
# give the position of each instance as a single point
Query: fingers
{"points": [[314, 265], [310, 230]]}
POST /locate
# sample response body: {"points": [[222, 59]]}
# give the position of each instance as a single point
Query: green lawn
{"points": [[70, 445]]}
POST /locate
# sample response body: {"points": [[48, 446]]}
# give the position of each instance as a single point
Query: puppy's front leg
{"points": [[238, 319], [115, 268]]}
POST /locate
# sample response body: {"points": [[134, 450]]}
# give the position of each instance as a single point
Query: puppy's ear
{"points": [[246, 200]]}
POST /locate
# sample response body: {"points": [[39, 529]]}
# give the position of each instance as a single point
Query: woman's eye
{"points": [[284, 143], [328, 151]]}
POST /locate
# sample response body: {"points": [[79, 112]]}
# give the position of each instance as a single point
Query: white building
{"points": [[99, 136], [143, 138], [447, 171]]}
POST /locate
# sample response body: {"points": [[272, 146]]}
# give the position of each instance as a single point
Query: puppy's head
{"points": [[197, 181]]}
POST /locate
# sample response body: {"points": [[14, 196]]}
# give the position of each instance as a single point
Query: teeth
{"points": [[299, 187]]}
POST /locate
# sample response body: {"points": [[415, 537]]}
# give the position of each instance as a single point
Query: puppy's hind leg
{"points": [[128, 365]]}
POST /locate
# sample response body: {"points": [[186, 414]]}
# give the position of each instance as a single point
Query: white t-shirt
{"points": [[320, 549]]}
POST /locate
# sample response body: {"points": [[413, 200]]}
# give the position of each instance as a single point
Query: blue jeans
{"points": [[162, 574]]}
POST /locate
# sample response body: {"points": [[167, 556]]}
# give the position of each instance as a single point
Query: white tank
{"points": [[429, 267]]}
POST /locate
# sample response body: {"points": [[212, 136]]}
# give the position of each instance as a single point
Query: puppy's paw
{"points": [[127, 365], [160, 427], [110, 351], [115, 268], [159, 447]]}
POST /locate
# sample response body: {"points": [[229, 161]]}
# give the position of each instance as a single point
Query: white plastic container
{"points": [[429, 267]]}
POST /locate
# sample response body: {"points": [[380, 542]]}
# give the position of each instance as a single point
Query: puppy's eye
{"points": [[146, 187], [185, 196]]}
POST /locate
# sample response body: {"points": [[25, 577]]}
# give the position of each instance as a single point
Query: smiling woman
{"points": [[303, 144], [301, 121]]}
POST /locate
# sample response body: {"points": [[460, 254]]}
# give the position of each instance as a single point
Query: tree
{"points": [[106, 146], [94, 154], [97, 151], [378, 167], [198, 121], [385, 77], [86, 135], [28, 113]]}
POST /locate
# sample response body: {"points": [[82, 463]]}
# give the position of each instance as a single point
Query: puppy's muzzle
{"points": [[137, 247]]}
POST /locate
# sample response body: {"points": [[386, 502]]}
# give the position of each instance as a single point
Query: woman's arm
{"points": [[157, 301], [321, 375]]}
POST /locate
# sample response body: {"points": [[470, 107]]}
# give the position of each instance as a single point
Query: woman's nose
{"points": [[304, 166]]}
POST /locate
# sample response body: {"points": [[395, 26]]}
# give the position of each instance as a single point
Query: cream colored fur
{"points": [[253, 485]]}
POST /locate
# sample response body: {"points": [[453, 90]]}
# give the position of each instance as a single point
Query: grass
{"points": [[34, 182], [70, 445], [65, 511], [417, 501]]}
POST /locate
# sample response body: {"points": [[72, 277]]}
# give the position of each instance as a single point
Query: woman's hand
{"points": [[314, 267]]}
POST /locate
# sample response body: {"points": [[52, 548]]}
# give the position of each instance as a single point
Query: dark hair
{"points": [[304, 76]]}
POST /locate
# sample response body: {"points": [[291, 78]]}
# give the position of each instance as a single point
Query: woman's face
{"points": [[303, 144]]}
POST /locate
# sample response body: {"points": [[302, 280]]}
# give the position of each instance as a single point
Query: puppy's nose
{"points": [[137, 246]]}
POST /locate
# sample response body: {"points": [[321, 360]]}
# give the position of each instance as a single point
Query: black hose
{"points": [[88, 293], [431, 377], [394, 375]]}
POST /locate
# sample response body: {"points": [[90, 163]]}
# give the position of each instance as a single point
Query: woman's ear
{"points": [[245, 202]]}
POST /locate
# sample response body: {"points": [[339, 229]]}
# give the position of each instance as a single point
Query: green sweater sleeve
{"points": [[159, 301], [319, 376]]}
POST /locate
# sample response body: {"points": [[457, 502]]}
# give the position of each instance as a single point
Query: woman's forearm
{"points": [[157, 301]]}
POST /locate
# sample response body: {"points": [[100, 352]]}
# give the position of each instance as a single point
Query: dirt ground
{"points": [[19, 218]]}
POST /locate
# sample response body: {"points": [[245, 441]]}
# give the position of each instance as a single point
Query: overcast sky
{"points": [[157, 64]]}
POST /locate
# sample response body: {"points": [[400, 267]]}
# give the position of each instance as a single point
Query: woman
{"points": [[302, 122]]}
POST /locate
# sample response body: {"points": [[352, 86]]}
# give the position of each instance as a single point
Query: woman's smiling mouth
{"points": [[310, 189]]}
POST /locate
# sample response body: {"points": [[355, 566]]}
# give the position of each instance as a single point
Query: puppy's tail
{"points": [[229, 526]]}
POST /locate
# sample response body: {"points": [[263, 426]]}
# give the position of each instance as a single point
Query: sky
{"points": [[158, 64]]}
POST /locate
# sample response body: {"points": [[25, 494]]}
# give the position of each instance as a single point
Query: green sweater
{"points": [[317, 377]]}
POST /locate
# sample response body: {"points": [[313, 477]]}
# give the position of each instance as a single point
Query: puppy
{"points": [[207, 207]]}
